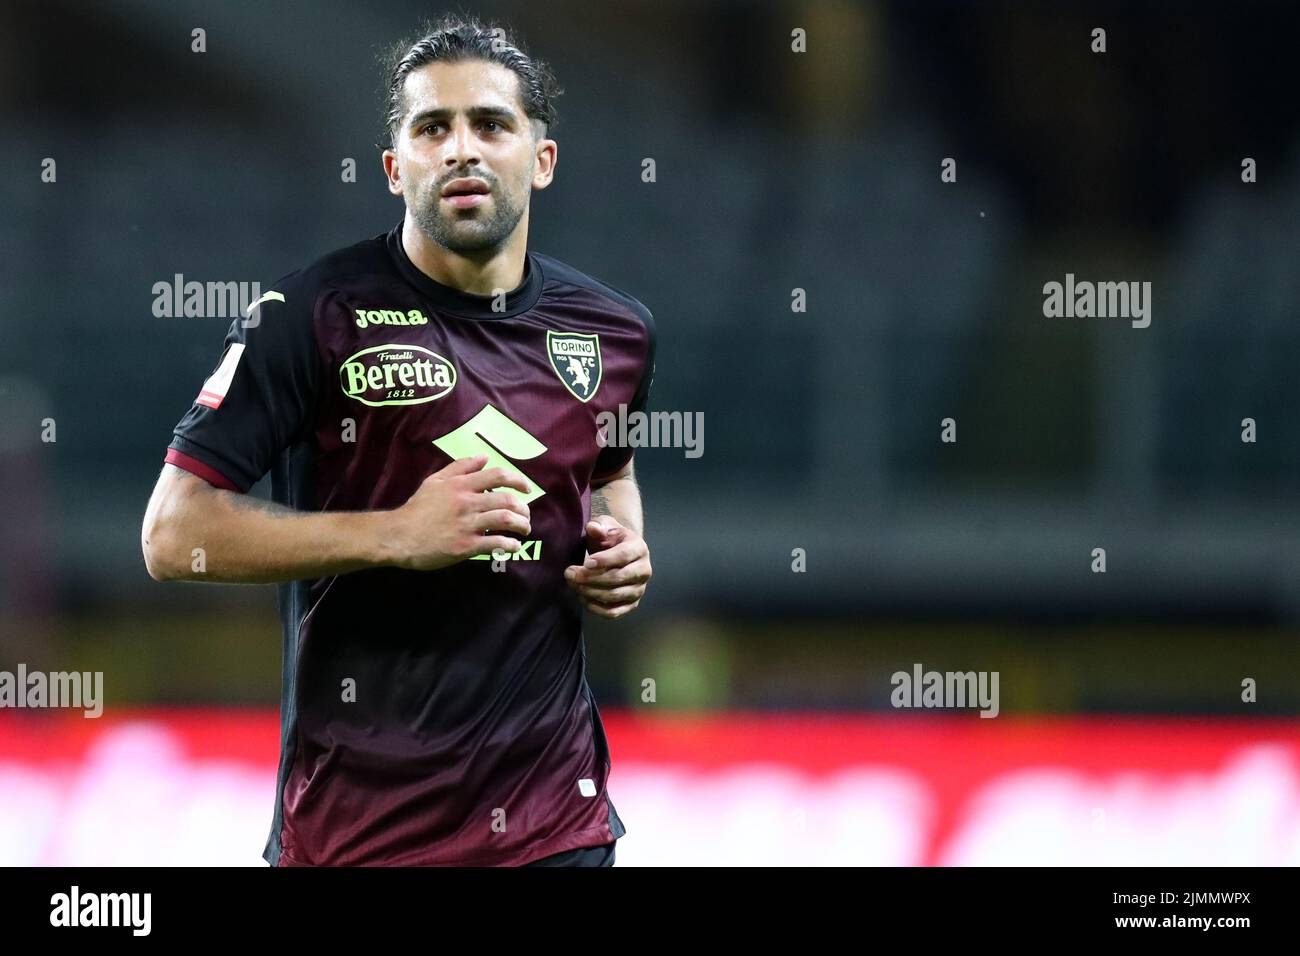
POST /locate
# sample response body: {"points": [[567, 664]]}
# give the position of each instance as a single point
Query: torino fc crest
{"points": [[576, 359]]}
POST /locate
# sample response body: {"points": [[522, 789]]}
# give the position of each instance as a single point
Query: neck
{"points": [[478, 273]]}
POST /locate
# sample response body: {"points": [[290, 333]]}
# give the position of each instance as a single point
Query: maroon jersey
{"points": [[439, 717]]}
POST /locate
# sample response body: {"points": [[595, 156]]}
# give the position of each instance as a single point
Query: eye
{"points": [[430, 128], [494, 123]]}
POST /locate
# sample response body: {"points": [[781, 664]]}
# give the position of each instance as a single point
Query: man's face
{"points": [[465, 159]]}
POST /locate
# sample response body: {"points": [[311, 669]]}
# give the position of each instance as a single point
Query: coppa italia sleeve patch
{"points": [[214, 389]]}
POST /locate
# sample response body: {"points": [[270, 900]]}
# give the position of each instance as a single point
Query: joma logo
{"points": [[369, 317]]}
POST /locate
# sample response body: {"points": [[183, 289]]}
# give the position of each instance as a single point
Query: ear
{"points": [[392, 172], [544, 171]]}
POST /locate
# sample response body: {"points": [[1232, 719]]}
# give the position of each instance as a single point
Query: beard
{"points": [[466, 231]]}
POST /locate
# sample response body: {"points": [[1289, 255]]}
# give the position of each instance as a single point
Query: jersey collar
{"points": [[468, 305]]}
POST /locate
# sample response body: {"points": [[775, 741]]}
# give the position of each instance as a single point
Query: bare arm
{"points": [[246, 540], [619, 497]]}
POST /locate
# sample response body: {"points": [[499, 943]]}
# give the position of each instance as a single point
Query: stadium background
{"points": [[1122, 737]]}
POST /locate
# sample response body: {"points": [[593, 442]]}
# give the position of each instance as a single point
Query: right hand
{"points": [[445, 521]]}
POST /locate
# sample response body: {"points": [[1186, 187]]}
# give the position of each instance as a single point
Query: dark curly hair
{"points": [[455, 38]]}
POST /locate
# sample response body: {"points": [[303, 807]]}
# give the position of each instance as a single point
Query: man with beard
{"points": [[426, 402]]}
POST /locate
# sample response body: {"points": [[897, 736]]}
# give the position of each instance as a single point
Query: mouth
{"points": [[465, 193]]}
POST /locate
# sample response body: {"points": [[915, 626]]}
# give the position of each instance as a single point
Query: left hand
{"points": [[613, 579]]}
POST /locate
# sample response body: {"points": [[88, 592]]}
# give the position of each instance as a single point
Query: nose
{"points": [[464, 146]]}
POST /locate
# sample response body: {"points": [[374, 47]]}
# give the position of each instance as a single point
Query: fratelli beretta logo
{"points": [[576, 359], [396, 375]]}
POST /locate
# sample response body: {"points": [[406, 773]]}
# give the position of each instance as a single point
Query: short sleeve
{"points": [[613, 459], [259, 398]]}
